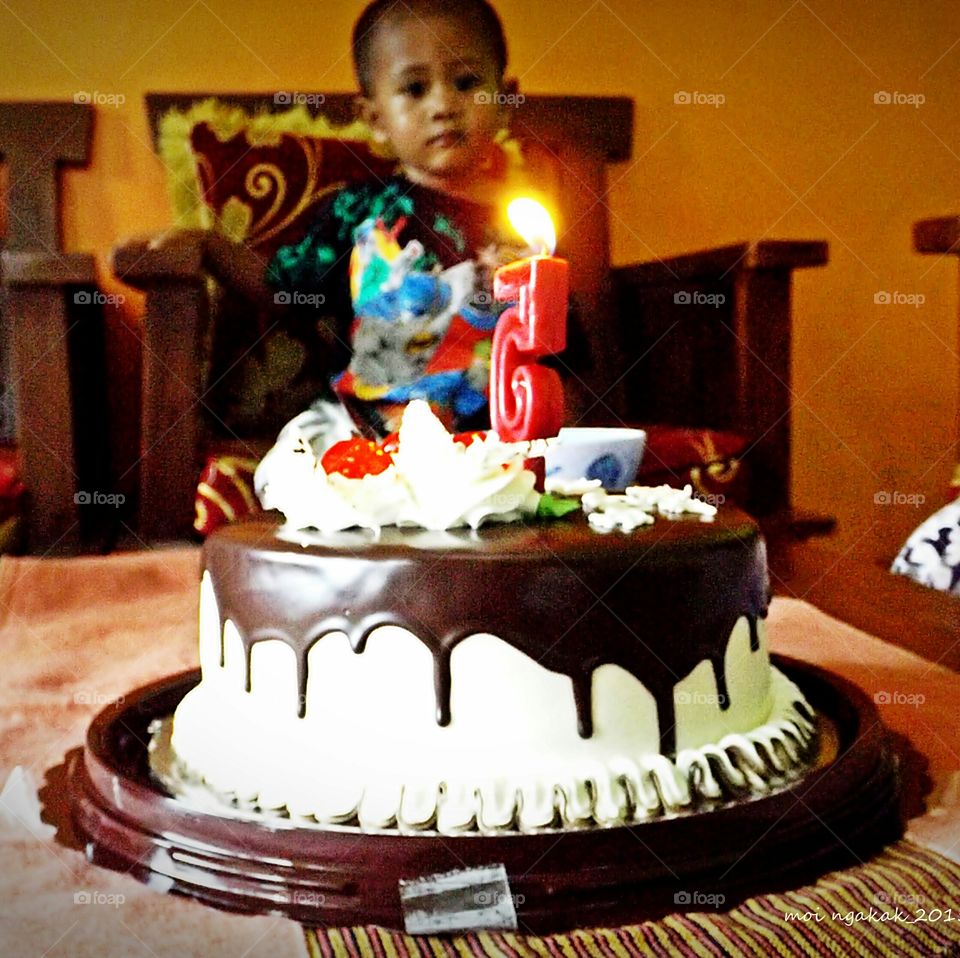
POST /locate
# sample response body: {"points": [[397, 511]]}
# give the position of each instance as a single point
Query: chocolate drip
{"points": [[442, 684], [583, 699], [667, 720], [302, 685], [247, 663], [720, 677], [668, 602]]}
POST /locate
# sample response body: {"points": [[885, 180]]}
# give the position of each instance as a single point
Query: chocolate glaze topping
{"points": [[656, 601]]}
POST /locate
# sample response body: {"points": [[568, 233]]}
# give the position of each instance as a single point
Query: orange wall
{"points": [[798, 149]]}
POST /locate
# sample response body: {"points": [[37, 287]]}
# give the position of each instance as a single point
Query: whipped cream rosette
{"points": [[428, 478]]}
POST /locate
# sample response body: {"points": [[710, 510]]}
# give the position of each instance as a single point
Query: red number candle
{"points": [[526, 399]]}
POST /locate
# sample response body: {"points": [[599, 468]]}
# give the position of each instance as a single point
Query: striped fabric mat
{"points": [[906, 901]]}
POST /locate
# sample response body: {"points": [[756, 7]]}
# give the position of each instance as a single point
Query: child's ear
{"points": [[371, 116]]}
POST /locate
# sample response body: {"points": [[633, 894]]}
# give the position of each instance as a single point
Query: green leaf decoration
{"points": [[555, 507]]}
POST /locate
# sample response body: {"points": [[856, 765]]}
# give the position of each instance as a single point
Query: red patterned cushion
{"points": [[277, 184], [258, 179], [11, 488], [224, 493], [711, 461]]}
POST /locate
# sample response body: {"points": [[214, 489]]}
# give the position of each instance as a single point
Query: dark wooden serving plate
{"points": [[840, 813]]}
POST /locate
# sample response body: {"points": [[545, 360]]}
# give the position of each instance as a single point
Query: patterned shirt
{"points": [[406, 272]]}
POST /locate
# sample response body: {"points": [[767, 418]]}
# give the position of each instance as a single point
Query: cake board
{"points": [[842, 811]]}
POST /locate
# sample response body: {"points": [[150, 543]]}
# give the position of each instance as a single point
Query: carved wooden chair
{"points": [[693, 341], [54, 433]]}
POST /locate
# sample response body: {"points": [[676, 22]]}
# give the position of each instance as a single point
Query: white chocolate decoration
{"points": [[639, 505]]}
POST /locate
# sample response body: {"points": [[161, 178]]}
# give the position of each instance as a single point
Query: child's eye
{"points": [[415, 88], [468, 81]]}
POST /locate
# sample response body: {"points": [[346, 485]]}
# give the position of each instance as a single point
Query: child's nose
{"points": [[444, 101]]}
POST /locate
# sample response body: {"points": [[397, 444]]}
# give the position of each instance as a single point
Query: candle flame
{"points": [[532, 221]]}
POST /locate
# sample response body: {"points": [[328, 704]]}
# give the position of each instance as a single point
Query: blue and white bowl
{"points": [[610, 454]]}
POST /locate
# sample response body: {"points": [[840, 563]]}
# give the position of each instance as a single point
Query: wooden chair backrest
{"points": [[51, 339]]}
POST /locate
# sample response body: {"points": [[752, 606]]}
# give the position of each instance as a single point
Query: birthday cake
{"points": [[422, 657]]}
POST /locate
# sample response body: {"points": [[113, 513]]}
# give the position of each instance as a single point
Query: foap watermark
{"points": [[700, 698], [711, 498], [93, 297], [696, 98], [898, 898], [93, 697], [486, 98], [90, 897], [897, 697], [483, 298], [98, 98], [97, 498], [896, 98], [309, 899], [296, 98], [296, 298], [699, 899], [696, 297], [884, 297], [488, 898], [885, 498]]}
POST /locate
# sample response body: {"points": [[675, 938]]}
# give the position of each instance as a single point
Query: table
{"points": [[77, 633]]}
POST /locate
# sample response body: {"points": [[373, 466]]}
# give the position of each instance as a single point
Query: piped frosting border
{"points": [[739, 766]]}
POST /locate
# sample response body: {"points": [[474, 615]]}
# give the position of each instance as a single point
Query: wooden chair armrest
{"points": [[796, 525], [174, 279], [719, 262], [41, 269], [55, 336], [940, 235], [708, 340], [890, 607], [174, 275], [175, 282], [144, 266]]}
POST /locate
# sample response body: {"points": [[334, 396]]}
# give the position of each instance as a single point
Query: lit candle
{"points": [[526, 399]]}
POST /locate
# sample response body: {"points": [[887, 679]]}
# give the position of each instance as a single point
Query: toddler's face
{"points": [[434, 99]]}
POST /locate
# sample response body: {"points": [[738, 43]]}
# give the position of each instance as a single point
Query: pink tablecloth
{"points": [[77, 633]]}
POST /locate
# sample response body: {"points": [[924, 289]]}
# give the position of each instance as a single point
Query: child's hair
{"points": [[478, 12]]}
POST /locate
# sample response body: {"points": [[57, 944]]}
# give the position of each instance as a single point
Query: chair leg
{"points": [[171, 411], [44, 417]]}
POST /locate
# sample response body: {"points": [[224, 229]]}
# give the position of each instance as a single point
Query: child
{"points": [[406, 265]]}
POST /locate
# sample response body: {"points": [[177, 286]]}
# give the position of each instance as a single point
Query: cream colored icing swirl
{"points": [[434, 482]]}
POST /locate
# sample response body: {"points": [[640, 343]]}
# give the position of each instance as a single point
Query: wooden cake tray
{"points": [[841, 812]]}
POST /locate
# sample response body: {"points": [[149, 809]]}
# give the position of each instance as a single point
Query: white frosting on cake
{"points": [[434, 481], [366, 748], [369, 749]]}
